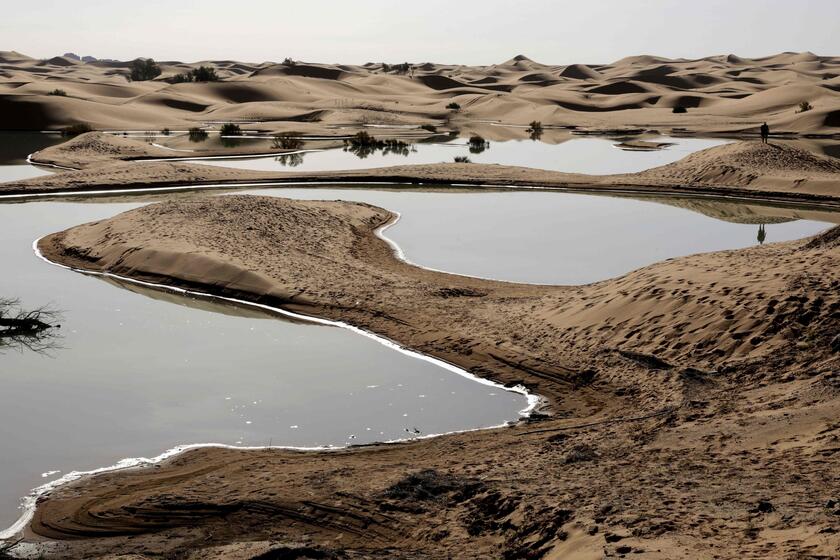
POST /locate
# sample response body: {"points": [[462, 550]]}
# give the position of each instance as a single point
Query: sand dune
{"points": [[723, 93], [703, 389]]}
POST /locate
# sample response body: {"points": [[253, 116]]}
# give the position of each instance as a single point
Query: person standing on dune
{"points": [[765, 133]]}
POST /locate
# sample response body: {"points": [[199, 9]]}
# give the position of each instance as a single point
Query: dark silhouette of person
{"points": [[762, 235], [765, 132]]}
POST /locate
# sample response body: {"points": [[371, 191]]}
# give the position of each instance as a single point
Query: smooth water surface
{"points": [[134, 375], [596, 156], [561, 238], [14, 149]]}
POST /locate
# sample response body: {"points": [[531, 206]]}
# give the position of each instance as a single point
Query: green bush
{"points": [[198, 134], [144, 69], [76, 129], [230, 129], [287, 141], [58, 92], [478, 144], [200, 74]]}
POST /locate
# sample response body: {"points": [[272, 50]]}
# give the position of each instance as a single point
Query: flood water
{"points": [[596, 156], [14, 149], [132, 375], [134, 372], [561, 238]]}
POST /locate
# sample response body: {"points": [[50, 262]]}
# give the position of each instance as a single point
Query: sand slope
{"points": [[720, 93], [695, 402]]}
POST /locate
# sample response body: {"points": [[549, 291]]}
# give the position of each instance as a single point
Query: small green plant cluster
{"points": [[363, 144], [200, 74], [76, 129], [477, 144], [804, 106], [287, 141], [144, 69], [58, 92], [197, 134], [535, 130], [230, 129]]}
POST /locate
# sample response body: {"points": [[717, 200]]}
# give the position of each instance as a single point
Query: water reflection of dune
{"points": [[747, 213], [202, 303]]}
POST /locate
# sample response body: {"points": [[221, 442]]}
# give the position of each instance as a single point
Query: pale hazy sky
{"points": [[451, 31]]}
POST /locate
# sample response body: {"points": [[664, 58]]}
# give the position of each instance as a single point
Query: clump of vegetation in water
{"points": [[230, 129], [804, 106], [26, 330], [290, 160], [462, 159], [58, 92], [680, 109], [363, 144], [287, 141], [200, 74], [166, 132], [535, 130], [477, 144], [454, 106], [197, 134], [76, 129], [144, 69]]}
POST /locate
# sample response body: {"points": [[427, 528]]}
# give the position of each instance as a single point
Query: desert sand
{"points": [[692, 403], [691, 407], [724, 93]]}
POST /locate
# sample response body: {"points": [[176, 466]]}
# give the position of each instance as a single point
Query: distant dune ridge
{"points": [[722, 93]]}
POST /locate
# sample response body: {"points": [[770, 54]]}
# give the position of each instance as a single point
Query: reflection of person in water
{"points": [[762, 235]]}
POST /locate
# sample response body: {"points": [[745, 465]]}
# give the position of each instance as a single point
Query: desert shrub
{"points": [[403, 68], [76, 129], [144, 69], [429, 127], [165, 131], [230, 129], [363, 144], [58, 92], [454, 106], [477, 144], [535, 126], [200, 74], [287, 141], [462, 159], [679, 109], [804, 106], [198, 134], [204, 74], [289, 61]]}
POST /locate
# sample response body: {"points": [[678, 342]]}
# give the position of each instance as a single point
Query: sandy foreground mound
{"points": [[694, 403], [716, 93]]}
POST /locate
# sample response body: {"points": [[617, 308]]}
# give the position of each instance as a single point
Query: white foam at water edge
{"points": [[28, 502]]}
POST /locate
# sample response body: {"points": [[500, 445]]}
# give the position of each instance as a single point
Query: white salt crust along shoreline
{"points": [[29, 501]]}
